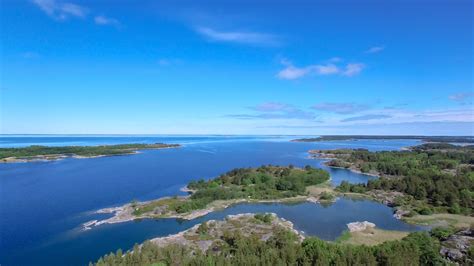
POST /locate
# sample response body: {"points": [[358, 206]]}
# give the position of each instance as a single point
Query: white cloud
{"points": [[292, 72], [366, 117], [328, 69], [238, 36], [103, 20], [270, 107], [341, 108], [61, 11], [275, 111], [353, 69], [462, 97], [375, 49]]}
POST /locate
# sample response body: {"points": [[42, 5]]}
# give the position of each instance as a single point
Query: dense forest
{"points": [[440, 175], [265, 182], [440, 139], [283, 249], [30, 151]]}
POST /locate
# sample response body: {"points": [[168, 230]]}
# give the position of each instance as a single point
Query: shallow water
{"points": [[43, 203]]}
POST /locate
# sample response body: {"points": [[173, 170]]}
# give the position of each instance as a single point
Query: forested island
{"points": [[438, 139], [36, 152], [265, 239], [265, 183], [426, 179]]}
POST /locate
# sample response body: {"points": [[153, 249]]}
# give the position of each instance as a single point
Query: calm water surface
{"points": [[43, 203]]}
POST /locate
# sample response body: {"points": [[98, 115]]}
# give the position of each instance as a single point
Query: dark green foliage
{"points": [[441, 178], [78, 150], [326, 196], [266, 218], [442, 233], [284, 249], [265, 182]]}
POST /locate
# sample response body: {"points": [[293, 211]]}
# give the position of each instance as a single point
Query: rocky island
{"points": [[42, 153]]}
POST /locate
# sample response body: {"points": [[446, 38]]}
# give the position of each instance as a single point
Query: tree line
{"points": [[282, 248]]}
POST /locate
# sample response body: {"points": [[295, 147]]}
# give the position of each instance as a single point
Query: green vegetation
{"points": [[203, 228], [87, 151], [443, 139], [325, 195], [433, 179], [263, 183], [265, 218], [442, 233], [283, 248], [370, 237]]}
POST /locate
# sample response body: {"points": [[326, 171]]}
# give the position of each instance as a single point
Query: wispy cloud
{"points": [[245, 37], [106, 21], [462, 97], [270, 107], [365, 118], [374, 50], [340, 108], [292, 72], [330, 68], [275, 110], [353, 69], [61, 10]]}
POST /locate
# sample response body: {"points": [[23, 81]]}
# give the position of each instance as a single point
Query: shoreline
{"points": [[124, 213], [58, 157], [317, 155]]}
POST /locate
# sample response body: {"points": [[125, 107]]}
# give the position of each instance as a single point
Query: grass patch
{"points": [[345, 236], [370, 237], [442, 219]]}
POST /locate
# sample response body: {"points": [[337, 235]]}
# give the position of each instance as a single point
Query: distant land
{"points": [[34, 153], [450, 139]]}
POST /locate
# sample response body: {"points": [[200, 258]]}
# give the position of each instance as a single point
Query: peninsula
{"points": [[263, 184], [38, 153]]}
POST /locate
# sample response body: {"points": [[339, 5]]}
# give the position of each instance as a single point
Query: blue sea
{"points": [[43, 204]]}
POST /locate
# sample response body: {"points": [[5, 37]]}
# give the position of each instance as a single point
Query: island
{"points": [[265, 239], [41, 153], [432, 183], [438, 139], [266, 183]]}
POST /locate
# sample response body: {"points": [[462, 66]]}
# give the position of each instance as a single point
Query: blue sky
{"points": [[237, 67]]}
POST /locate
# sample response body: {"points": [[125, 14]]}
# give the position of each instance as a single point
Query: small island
{"points": [[263, 184], [41, 153]]}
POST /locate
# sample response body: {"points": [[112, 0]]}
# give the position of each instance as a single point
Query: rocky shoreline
{"points": [[124, 213], [246, 223]]}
